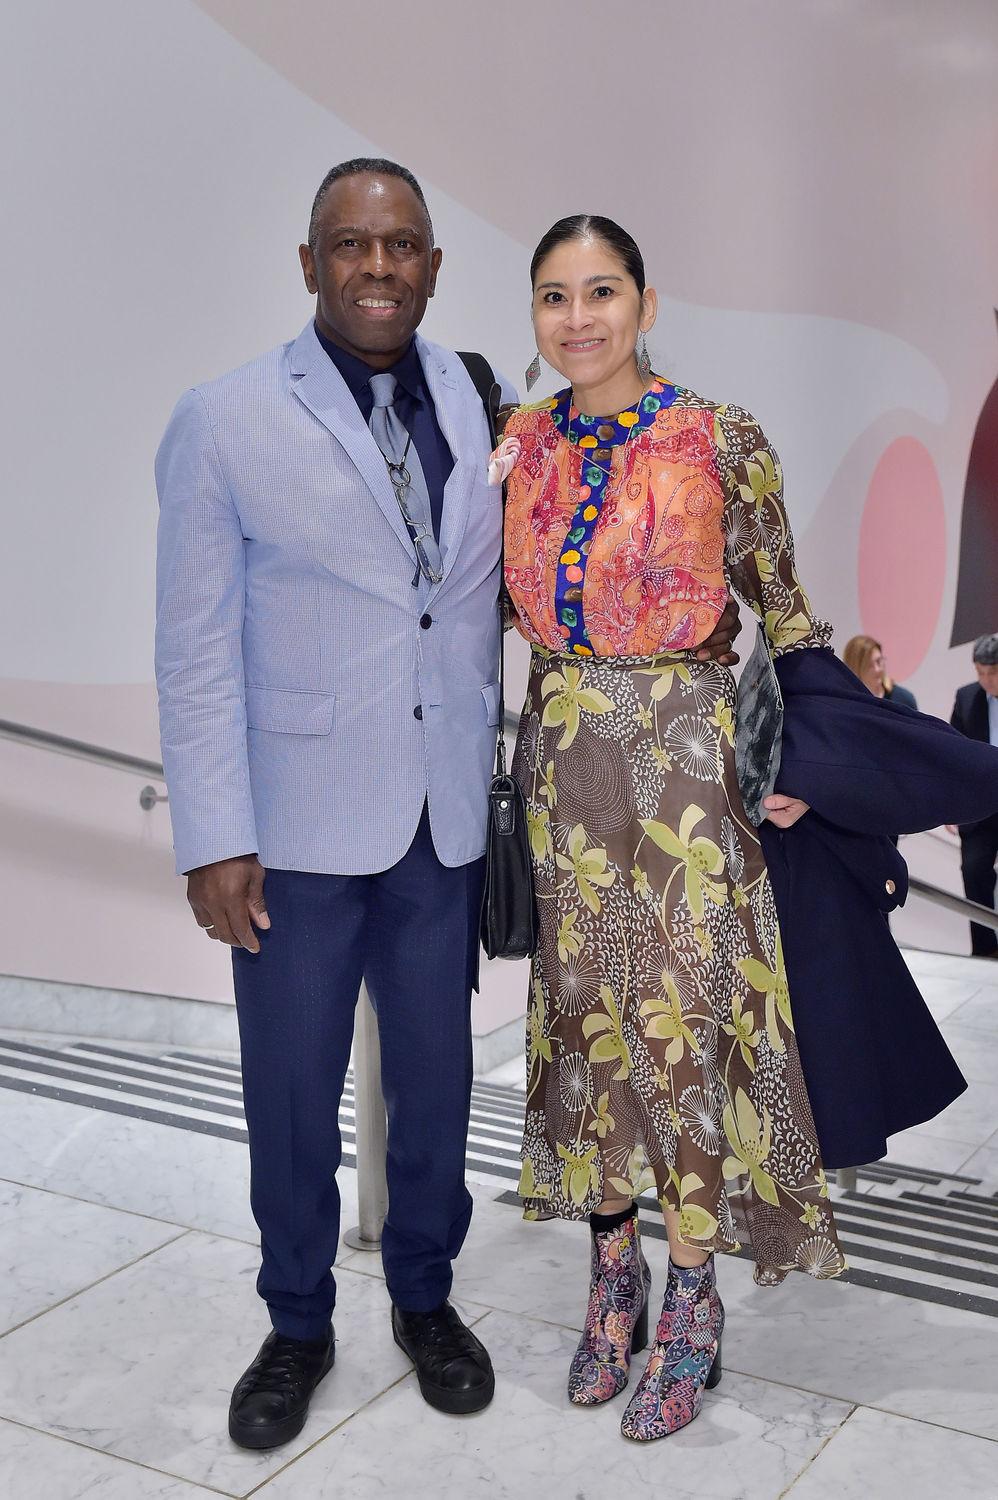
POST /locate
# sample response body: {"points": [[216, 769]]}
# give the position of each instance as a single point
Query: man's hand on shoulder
{"points": [[227, 900], [719, 643]]}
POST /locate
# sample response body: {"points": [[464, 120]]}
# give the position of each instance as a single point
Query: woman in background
{"points": [[865, 656]]}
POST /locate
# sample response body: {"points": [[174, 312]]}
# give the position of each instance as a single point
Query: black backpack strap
{"points": [[484, 380], [487, 386]]}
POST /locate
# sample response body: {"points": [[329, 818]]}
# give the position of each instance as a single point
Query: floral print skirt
{"points": [[660, 1041]]}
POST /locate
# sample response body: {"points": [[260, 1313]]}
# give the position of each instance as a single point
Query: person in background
{"points": [[865, 656], [975, 714]]}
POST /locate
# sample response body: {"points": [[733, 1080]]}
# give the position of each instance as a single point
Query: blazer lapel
{"points": [[318, 384], [979, 710], [462, 438]]}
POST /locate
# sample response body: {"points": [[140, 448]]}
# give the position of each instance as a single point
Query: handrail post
{"points": [[371, 1129]]}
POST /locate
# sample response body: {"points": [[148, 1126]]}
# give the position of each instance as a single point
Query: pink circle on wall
{"points": [[902, 555]]}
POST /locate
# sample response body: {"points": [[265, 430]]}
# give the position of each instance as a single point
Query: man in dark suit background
{"points": [[975, 714]]}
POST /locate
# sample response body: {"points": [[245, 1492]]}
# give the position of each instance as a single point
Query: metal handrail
{"points": [[97, 755], [984, 916], [43, 739]]}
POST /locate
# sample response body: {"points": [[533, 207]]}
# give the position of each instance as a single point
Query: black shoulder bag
{"points": [[509, 909]]}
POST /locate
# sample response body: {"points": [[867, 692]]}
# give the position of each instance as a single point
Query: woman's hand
{"points": [[784, 811]]}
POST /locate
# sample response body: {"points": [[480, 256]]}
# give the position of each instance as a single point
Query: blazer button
{"points": [[890, 887], [417, 712], [426, 621]]}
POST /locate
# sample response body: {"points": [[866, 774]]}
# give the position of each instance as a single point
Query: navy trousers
{"points": [[979, 849], [411, 932]]}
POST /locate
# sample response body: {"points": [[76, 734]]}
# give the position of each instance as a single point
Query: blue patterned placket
{"points": [[596, 437]]}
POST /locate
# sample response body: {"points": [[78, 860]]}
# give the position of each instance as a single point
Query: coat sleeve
{"points": [[199, 668], [759, 546], [871, 766]]}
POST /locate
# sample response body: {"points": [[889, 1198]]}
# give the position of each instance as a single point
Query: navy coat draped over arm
{"points": [[873, 1059]]}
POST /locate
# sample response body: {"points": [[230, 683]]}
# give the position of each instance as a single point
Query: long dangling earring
{"points": [[644, 360], [532, 373]]}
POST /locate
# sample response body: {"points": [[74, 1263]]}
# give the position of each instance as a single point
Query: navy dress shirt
{"points": [[415, 409]]}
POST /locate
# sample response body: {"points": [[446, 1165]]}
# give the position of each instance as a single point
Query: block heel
{"points": [[639, 1338], [716, 1371]]}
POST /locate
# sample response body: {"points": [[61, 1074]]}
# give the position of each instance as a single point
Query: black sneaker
{"points": [[452, 1366], [270, 1402]]}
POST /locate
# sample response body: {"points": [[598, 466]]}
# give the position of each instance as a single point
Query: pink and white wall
{"points": [[813, 183]]}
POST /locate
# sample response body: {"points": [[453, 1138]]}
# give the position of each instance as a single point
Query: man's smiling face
{"points": [[372, 266]]}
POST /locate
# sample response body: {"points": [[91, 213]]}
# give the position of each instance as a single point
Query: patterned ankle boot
{"points": [[685, 1360], [617, 1319]]}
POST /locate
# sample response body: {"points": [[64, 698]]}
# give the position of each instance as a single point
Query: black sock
{"points": [[600, 1223]]}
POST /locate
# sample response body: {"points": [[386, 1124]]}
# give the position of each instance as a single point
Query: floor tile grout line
{"points": [[80, 1291], [905, 1416], [219, 1234], [372, 1401], [133, 1213], [408, 1375], [121, 1458], [889, 1411], [815, 1456]]}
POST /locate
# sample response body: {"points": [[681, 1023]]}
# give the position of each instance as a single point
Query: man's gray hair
{"points": [[986, 650]]}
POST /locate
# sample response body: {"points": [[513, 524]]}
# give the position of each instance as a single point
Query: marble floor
{"points": [[128, 1309]]}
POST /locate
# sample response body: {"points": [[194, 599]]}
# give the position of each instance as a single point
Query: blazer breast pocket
{"points": [[285, 711]]}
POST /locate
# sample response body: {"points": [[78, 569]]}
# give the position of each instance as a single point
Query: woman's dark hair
{"points": [[591, 226]]}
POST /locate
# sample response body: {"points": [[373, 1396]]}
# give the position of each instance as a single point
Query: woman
{"points": [[865, 657], [661, 1042]]}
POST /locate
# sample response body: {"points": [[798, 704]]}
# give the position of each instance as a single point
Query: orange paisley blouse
{"points": [[693, 507]]}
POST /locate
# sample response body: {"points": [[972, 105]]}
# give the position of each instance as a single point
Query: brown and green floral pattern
{"points": [[661, 1050]]}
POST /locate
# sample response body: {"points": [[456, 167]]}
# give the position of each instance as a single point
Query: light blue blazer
{"points": [[311, 699]]}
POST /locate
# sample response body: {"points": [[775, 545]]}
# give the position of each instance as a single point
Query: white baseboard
{"points": [[496, 1047], [82, 1010], [121, 1015]]}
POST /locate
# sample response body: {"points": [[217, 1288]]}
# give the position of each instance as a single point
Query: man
{"points": [[327, 648], [975, 714]]}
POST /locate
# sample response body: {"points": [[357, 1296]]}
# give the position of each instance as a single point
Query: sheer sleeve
{"points": [[759, 548]]}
